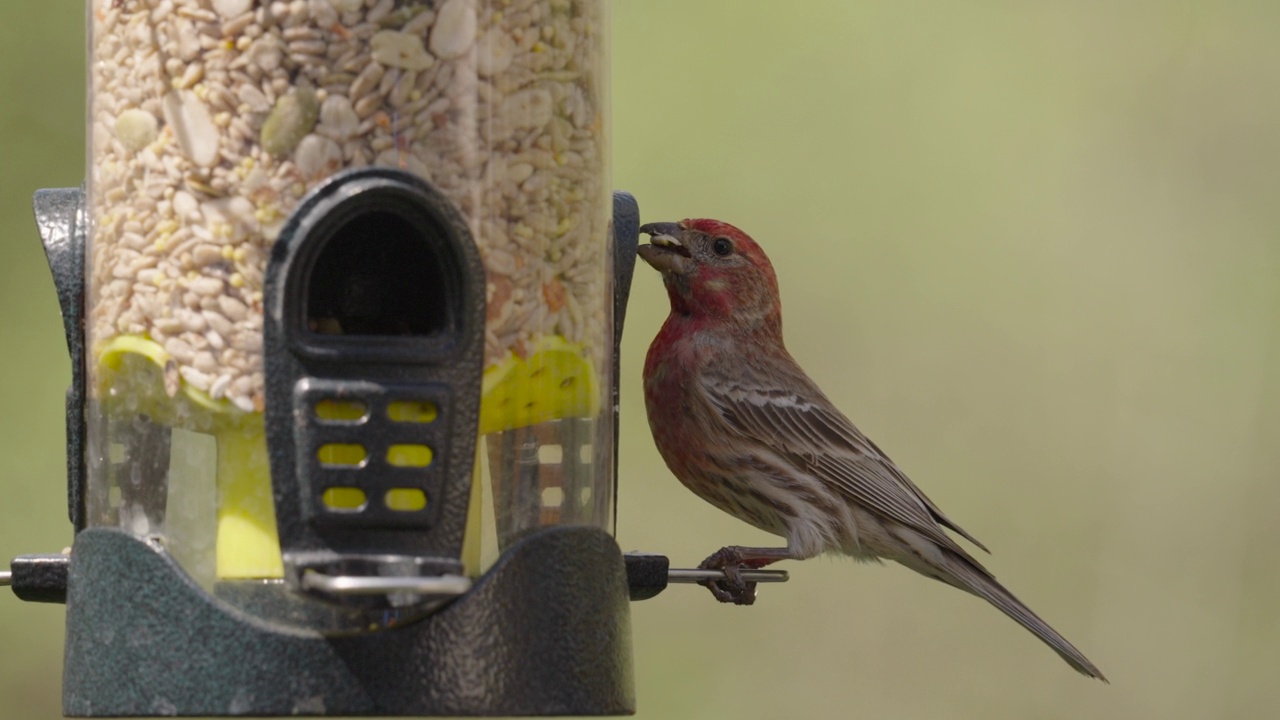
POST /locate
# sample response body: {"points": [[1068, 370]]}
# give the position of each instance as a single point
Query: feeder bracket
{"points": [[649, 574], [38, 578]]}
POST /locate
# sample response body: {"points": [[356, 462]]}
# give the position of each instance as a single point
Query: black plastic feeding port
{"points": [[375, 304]]}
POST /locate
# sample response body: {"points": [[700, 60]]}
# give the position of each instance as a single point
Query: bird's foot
{"points": [[732, 589]]}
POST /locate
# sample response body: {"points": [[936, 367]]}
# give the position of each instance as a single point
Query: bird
{"points": [[739, 422]]}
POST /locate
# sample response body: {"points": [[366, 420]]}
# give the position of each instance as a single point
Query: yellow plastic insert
{"points": [[111, 357], [248, 545], [344, 499], [341, 410], [413, 411], [342, 454], [417, 456], [138, 370], [556, 380], [405, 499]]}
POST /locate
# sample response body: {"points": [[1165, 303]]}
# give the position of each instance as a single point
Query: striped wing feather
{"points": [[803, 425]]}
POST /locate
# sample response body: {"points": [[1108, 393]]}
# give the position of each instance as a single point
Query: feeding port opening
{"points": [[379, 274]]}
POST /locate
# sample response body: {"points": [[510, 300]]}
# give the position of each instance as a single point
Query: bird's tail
{"points": [[969, 576]]}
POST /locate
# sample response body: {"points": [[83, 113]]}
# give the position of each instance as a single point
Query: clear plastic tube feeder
{"points": [[281, 203]]}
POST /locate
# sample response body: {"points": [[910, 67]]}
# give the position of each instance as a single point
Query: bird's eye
{"points": [[722, 246]]}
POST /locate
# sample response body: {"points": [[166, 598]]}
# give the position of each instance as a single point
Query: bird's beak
{"points": [[666, 252]]}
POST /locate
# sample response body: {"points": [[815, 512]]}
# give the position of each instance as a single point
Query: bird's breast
{"points": [[670, 385]]}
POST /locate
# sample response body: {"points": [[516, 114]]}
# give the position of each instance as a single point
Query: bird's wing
{"points": [[801, 423]]}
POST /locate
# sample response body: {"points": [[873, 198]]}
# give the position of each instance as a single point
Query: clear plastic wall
{"points": [[209, 120]]}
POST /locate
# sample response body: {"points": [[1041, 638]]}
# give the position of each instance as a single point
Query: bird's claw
{"points": [[732, 589]]}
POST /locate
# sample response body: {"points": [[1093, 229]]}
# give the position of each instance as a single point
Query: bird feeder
{"points": [[343, 295], [340, 297]]}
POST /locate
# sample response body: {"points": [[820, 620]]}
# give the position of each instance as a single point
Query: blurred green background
{"points": [[1031, 248]]}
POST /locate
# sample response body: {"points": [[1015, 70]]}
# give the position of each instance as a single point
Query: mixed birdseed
{"points": [[210, 119]]}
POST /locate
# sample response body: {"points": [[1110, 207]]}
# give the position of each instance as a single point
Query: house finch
{"points": [[743, 427]]}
